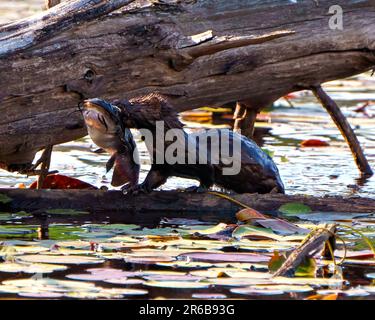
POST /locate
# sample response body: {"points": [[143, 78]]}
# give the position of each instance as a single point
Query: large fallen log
{"points": [[196, 52], [150, 208]]}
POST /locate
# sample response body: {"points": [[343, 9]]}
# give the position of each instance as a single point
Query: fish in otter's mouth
{"points": [[106, 131]]}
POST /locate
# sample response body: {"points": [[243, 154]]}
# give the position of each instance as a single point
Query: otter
{"points": [[257, 171]]}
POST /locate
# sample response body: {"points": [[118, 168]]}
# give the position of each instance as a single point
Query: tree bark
{"points": [[315, 241], [196, 52], [345, 129], [151, 207]]}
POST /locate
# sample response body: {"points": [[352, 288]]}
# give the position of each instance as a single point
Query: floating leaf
{"points": [[46, 295], [208, 296], [309, 281], [253, 291], [294, 208], [96, 276], [70, 212], [177, 284], [231, 273], [166, 277], [58, 181], [330, 216], [314, 143], [271, 289], [30, 268], [248, 214], [269, 152], [185, 264], [12, 231], [124, 281], [323, 297], [228, 257], [5, 216], [5, 199], [284, 159], [253, 232], [57, 259], [276, 261], [148, 260], [64, 232], [237, 282], [282, 227], [356, 292]]}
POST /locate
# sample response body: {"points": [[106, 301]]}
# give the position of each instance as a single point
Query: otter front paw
{"points": [[134, 189]]}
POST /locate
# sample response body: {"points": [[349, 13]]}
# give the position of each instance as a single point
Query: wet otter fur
{"points": [[258, 173]]}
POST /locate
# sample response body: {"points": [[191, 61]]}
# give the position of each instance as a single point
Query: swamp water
{"points": [[79, 258]]}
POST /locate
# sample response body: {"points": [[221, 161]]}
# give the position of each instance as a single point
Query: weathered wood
{"points": [[45, 162], [315, 241], [345, 129], [196, 52], [244, 119], [153, 206]]}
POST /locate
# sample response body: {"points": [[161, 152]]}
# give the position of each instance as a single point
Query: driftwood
{"points": [[345, 128], [315, 241], [151, 207], [196, 52]]}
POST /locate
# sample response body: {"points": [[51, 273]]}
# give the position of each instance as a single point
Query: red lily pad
{"points": [[314, 143], [58, 181]]}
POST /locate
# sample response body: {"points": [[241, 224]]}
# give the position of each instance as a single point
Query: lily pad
{"points": [[272, 289], [5, 199], [30, 268], [208, 296], [227, 257], [148, 260], [59, 259], [184, 277], [294, 208], [69, 212], [177, 284], [16, 231], [45, 295], [6, 216], [124, 281]]}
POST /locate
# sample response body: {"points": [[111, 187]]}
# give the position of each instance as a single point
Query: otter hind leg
{"points": [[206, 179], [198, 189]]}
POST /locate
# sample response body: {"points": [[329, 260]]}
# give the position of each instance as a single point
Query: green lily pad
{"points": [[268, 152], [294, 208], [69, 212], [5, 199], [14, 231], [64, 232], [6, 216]]}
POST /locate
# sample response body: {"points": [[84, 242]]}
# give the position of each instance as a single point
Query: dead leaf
{"points": [[314, 143], [58, 181], [248, 214]]}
